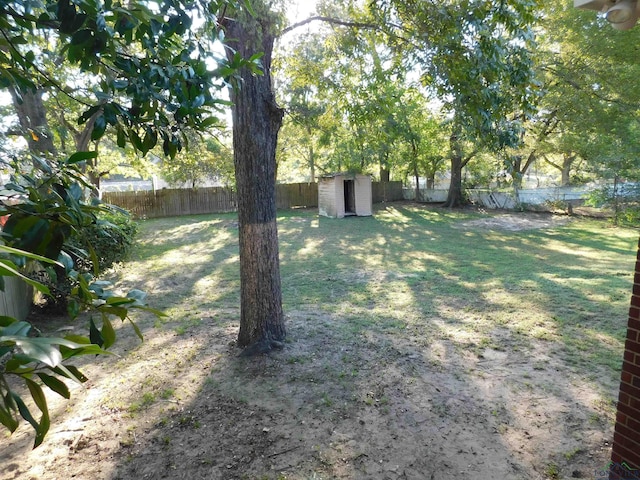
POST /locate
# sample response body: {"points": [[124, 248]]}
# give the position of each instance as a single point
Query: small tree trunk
{"points": [[312, 156], [431, 181], [414, 162], [312, 164], [616, 204], [256, 122], [385, 171]]}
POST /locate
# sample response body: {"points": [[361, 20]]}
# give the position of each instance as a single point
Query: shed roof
{"points": [[342, 174]]}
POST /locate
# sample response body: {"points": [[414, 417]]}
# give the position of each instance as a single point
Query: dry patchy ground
{"points": [[413, 402]]}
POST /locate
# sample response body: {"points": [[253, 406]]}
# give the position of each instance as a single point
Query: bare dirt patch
{"points": [[380, 407], [517, 221]]}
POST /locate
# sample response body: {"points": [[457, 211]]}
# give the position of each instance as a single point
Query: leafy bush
{"points": [[111, 237], [94, 249], [623, 199], [51, 224]]}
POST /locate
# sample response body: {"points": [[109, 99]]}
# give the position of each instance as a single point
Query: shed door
{"points": [[349, 197]]}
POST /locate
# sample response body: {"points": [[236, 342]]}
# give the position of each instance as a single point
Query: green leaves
{"points": [[104, 337], [47, 350], [147, 96], [40, 400], [31, 356], [52, 211], [55, 384], [478, 57], [35, 355]]}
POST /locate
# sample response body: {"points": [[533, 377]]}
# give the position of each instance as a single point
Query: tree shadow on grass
{"points": [[402, 362]]}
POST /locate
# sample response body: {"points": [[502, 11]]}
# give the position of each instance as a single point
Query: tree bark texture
{"points": [[256, 122], [416, 173], [454, 198], [385, 174], [312, 156], [33, 121], [567, 163]]}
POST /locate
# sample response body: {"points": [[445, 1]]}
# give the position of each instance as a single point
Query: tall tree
{"points": [[353, 86], [256, 122], [589, 111], [476, 56], [32, 117], [300, 69], [204, 159], [422, 139]]}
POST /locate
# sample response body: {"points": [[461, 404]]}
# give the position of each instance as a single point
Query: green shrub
{"points": [[111, 237], [622, 199], [53, 236]]}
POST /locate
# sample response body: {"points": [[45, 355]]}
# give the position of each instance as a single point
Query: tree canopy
{"points": [[145, 68]]}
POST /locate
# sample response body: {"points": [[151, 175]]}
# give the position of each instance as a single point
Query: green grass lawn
{"points": [[421, 341], [414, 269]]}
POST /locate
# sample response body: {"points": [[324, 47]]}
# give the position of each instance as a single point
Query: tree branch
{"points": [[469, 158], [554, 165], [530, 160], [42, 73], [333, 21], [591, 91], [349, 24]]}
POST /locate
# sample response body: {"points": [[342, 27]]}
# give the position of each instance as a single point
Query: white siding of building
{"points": [[331, 202]]}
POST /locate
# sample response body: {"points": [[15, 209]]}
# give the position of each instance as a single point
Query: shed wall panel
{"points": [[364, 200], [327, 197], [339, 196]]}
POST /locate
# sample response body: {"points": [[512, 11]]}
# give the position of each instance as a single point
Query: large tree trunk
{"points": [[454, 198], [567, 163], [385, 174], [256, 122], [516, 174], [518, 170], [564, 168], [33, 121]]}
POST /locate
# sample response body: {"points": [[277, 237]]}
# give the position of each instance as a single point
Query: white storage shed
{"points": [[345, 194]]}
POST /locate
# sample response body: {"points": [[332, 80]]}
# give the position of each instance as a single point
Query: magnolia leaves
{"points": [[153, 72], [29, 358]]}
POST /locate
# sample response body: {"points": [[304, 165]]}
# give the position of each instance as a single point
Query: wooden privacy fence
{"points": [[292, 195], [387, 192], [175, 202]]}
